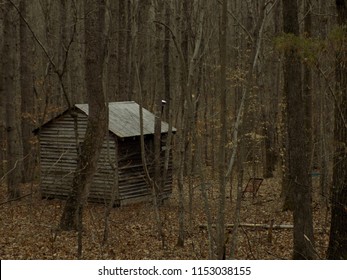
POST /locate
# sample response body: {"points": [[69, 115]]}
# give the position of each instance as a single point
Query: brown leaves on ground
{"points": [[28, 228]]}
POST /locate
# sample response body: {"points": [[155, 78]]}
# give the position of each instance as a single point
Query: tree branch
{"points": [[180, 54], [34, 35], [238, 22]]}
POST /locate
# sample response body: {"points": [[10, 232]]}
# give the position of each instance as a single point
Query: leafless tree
{"points": [[223, 132], [9, 76], [338, 232], [98, 117], [299, 150]]}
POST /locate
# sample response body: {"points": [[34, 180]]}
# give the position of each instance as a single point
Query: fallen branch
{"points": [[17, 198], [262, 226]]}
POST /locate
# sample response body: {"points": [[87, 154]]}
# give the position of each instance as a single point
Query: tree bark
{"points": [[2, 107], [184, 115], [158, 102], [298, 141], [338, 232], [123, 78], [9, 80], [112, 59], [223, 133], [166, 63], [142, 46], [98, 116], [27, 94]]}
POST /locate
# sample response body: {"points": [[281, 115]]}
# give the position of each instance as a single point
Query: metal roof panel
{"points": [[124, 119]]}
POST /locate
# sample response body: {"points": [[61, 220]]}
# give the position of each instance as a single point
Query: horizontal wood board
{"points": [[58, 155]]}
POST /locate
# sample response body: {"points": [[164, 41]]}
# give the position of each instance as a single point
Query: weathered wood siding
{"points": [[132, 181], [58, 154]]}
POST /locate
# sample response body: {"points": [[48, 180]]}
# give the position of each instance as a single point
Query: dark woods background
{"points": [[254, 88]]}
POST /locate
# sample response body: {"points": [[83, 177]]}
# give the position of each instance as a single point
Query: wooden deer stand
{"points": [[252, 186]]}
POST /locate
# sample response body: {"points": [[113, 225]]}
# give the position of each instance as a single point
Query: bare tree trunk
{"points": [[166, 62], [142, 45], [307, 89], [75, 29], [223, 133], [338, 232], [184, 55], [167, 110], [148, 178], [158, 102], [123, 78], [2, 131], [299, 150], [130, 49], [98, 118], [112, 59], [114, 187], [205, 201], [237, 206], [2, 104], [10, 89], [27, 94], [323, 151]]}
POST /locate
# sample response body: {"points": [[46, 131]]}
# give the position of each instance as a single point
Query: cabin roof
{"points": [[124, 119]]}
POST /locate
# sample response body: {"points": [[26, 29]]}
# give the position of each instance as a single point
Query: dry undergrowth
{"points": [[28, 228]]}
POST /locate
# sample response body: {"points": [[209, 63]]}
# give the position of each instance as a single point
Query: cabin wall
{"points": [[132, 181], [58, 154]]}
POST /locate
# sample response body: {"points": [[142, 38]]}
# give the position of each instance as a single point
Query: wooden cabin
{"points": [[120, 169]]}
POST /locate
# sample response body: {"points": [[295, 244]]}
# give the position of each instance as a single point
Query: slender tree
{"points": [[166, 62], [299, 155], [2, 106], [123, 78], [223, 132], [338, 232], [27, 92], [98, 116], [158, 100], [184, 52], [142, 45], [9, 77]]}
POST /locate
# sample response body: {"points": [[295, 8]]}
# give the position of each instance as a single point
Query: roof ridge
{"points": [[124, 102]]}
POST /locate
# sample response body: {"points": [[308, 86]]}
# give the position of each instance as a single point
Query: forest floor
{"points": [[28, 228]]}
